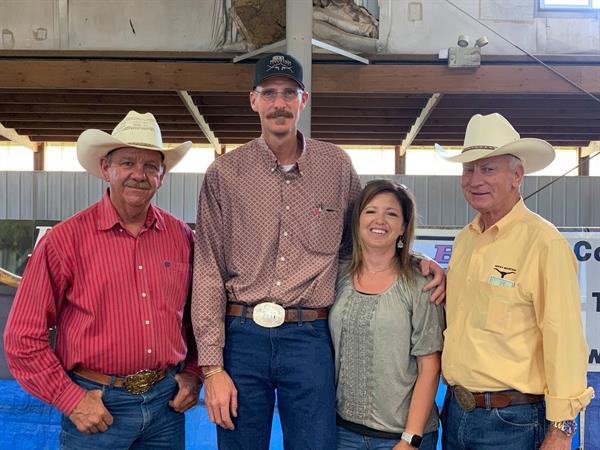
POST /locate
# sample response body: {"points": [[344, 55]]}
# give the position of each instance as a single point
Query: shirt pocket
{"points": [[175, 284], [499, 304], [325, 230]]}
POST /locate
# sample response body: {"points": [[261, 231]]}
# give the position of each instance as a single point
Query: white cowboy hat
{"points": [[493, 135], [135, 130]]}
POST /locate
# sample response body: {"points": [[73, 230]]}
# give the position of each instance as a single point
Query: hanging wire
{"points": [[542, 63], [558, 178]]}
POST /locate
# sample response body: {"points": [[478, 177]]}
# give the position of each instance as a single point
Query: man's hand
{"points": [[90, 415], [187, 395], [220, 398], [430, 267], [556, 440]]}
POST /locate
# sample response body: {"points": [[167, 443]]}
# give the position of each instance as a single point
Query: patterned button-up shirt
{"points": [[264, 234]]}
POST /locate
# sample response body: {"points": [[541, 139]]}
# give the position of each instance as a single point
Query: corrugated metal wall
{"points": [[570, 202]]}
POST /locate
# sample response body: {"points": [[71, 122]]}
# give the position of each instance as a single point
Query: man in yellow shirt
{"points": [[515, 357]]}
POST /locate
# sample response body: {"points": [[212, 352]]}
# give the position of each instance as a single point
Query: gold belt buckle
{"points": [[140, 382], [465, 398]]}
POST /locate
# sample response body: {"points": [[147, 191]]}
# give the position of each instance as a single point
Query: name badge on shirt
{"points": [[495, 281]]}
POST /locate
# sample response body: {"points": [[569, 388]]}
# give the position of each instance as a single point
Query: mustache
{"points": [[137, 184], [280, 113]]}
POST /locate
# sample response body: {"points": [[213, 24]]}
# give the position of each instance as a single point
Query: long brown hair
{"points": [[404, 256]]}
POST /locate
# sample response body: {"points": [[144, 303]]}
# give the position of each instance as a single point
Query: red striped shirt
{"points": [[116, 300]]}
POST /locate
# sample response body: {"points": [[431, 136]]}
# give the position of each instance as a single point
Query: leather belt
{"points": [[291, 314], [468, 401], [138, 383]]}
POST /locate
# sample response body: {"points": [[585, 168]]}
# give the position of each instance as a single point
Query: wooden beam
{"points": [[28, 127], [550, 113], [366, 102], [428, 108], [583, 159], [72, 138], [12, 135], [331, 78], [199, 119], [322, 120], [399, 161], [326, 112], [74, 98], [121, 110], [109, 118], [39, 156], [357, 129]]}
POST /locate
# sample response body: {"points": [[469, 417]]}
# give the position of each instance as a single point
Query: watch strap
{"points": [[569, 427], [414, 440]]}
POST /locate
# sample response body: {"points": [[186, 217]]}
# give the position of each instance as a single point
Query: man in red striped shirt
{"points": [[113, 279]]}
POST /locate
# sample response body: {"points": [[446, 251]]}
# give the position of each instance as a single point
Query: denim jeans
{"points": [[140, 421], [519, 427], [348, 440], [293, 361]]}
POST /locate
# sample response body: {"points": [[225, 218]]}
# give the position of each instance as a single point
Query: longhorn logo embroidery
{"points": [[502, 273]]}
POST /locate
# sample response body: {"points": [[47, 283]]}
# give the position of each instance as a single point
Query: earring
{"points": [[400, 244]]}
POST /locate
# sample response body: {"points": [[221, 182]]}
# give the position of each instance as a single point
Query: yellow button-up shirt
{"points": [[513, 313]]}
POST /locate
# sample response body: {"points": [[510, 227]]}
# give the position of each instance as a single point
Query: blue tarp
{"points": [[29, 424]]}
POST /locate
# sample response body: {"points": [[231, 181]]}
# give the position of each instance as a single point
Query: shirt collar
{"points": [[108, 216], [514, 215], [270, 160]]}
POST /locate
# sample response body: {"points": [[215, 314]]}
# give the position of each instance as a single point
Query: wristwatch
{"points": [[569, 427], [414, 440]]}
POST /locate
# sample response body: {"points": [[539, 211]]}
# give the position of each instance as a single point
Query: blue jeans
{"points": [[293, 360], [519, 427], [348, 440], [140, 421]]}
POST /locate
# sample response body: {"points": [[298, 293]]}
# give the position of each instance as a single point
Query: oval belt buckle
{"points": [[268, 315], [465, 398]]}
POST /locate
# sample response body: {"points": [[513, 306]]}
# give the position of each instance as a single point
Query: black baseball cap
{"points": [[278, 65]]}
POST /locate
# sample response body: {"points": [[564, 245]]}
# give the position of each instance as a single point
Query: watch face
{"points": [[416, 441]]}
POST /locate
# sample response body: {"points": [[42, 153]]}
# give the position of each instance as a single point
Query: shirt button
{"points": [[287, 208], [285, 233], [287, 181], [278, 283], [143, 294], [121, 230], [147, 322], [282, 258], [140, 267], [272, 169], [149, 350]]}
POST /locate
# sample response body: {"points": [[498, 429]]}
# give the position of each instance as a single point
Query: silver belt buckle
{"points": [[268, 315]]}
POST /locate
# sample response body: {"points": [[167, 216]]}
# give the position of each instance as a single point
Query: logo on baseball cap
{"points": [[278, 65]]}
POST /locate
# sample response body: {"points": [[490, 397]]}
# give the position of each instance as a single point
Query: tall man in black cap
{"points": [[272, 216]]}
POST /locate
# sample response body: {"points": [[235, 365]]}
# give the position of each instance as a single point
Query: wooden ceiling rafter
{"points": [[351, 104]]}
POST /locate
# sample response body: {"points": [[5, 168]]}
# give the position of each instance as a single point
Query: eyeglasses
{"points": [[270, 95]]}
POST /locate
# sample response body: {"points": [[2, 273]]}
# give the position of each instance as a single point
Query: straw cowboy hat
{"points": [[135, 130], [493, 135]]}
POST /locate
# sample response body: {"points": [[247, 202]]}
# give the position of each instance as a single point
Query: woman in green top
{"points": [[387, 335]]}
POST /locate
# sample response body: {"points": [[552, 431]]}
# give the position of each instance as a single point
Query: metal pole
{"points": [[298, 32]]}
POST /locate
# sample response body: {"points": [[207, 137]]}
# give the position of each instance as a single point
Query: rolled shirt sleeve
{"points": [[565, 351]]}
